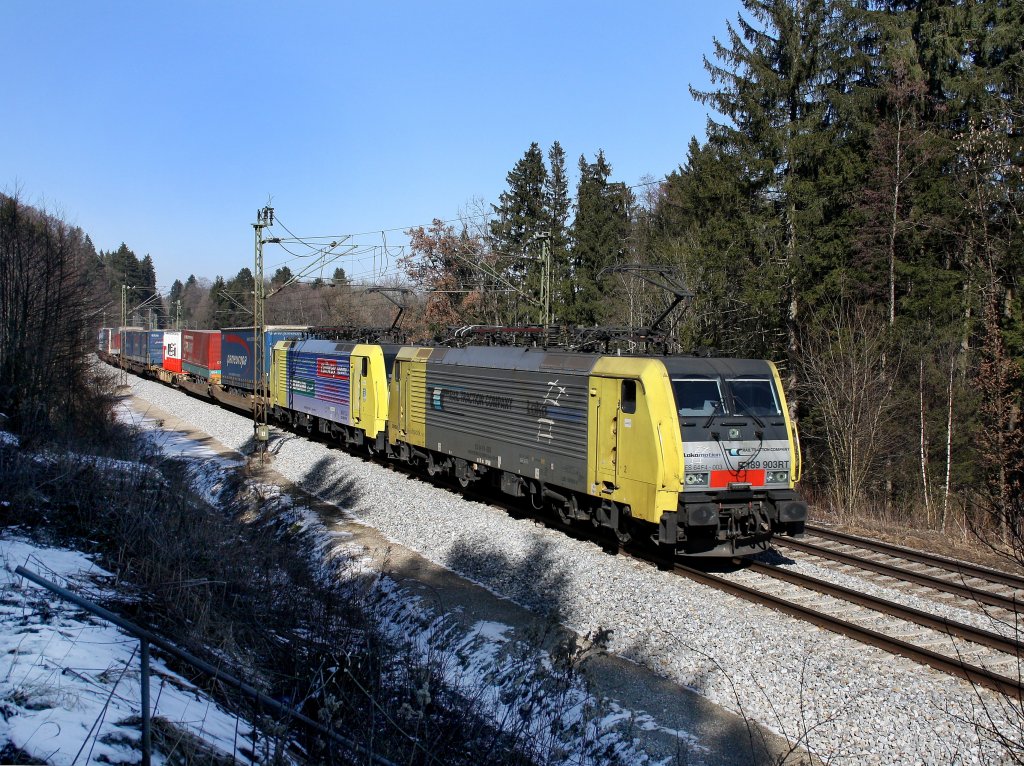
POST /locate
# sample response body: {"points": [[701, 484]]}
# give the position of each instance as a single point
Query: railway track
{"points": [[966, 651], [972, 585], [969, 652], [957, 661], [963, 569], [974, 654]]}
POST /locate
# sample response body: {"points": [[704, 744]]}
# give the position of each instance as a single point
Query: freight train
{"points": [[699, 455]]}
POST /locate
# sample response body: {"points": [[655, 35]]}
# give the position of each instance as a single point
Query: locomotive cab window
{"points": [[697, 396], [628, 397], [365, 366], [754, 396]]}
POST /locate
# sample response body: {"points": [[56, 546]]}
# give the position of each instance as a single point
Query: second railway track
{"points": [[954, 662], [989, 588]]}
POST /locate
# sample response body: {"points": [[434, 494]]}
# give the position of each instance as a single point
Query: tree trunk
{"points": [[924, 449], [949, 446]]}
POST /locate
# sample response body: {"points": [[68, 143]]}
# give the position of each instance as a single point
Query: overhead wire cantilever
{"points": [[672, 281]]}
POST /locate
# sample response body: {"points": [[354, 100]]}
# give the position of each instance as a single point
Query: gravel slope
{"points": [[847, 703]]}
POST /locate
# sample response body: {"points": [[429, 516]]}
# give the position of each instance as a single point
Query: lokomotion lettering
{"points": [[476, 399]]}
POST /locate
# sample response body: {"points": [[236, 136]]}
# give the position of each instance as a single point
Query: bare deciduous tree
{"points": [[848, 374], [48, 315]]}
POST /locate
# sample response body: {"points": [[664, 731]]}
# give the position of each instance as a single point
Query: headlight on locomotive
{"points": [[696, 479], [777, 477]]}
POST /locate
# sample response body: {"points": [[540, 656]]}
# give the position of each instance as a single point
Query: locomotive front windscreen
{"points": [[746, 396], [697, 396], [754, 396]]}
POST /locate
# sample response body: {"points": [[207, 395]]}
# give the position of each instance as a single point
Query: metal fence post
{"points": [[147, 731]]}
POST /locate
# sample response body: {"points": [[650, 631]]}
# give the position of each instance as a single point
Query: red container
{"points": [[200, 353]]}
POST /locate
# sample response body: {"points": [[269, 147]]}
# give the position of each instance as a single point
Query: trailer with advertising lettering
{"points": [[238, 354], [172, 350]]}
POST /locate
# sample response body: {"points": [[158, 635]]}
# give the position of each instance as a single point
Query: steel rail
{"points": [[952, 565], [929, 581], [1009, 686], [941, 624]]}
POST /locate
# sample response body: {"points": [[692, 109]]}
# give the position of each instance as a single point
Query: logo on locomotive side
{"points": [[545, 424], [442, 396], [332, 368]]}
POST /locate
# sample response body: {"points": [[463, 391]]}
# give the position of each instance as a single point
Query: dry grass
{"points": [[960, 540]]}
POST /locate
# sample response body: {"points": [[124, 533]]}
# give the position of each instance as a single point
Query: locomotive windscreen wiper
{"points": [[748, 411], [714, 411]]}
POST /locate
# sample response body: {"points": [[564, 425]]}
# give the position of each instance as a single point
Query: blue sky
{"points": [[167, 125]]}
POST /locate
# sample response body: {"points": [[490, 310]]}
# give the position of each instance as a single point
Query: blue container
{"points": [[236, 353], [144, 346]]}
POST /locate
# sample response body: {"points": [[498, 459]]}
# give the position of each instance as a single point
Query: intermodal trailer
{"points": [[200, 354], [172, 350], [144, 347], [238, 353]]}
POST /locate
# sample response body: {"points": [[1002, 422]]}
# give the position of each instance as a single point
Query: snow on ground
{"points": [[70, 682]]}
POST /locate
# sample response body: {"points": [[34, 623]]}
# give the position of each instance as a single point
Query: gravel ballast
{"points": [[846, 702]]}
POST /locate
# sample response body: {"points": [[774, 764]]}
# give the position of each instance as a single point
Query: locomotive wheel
{"points": [[432, 469], [624, 530], [624, 535], [567, 511], [464, 481]]}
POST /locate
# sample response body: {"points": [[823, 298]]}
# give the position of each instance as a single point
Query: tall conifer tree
{"points": [[599, 237], [773, 79], [558, 207], [519, 217]]}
